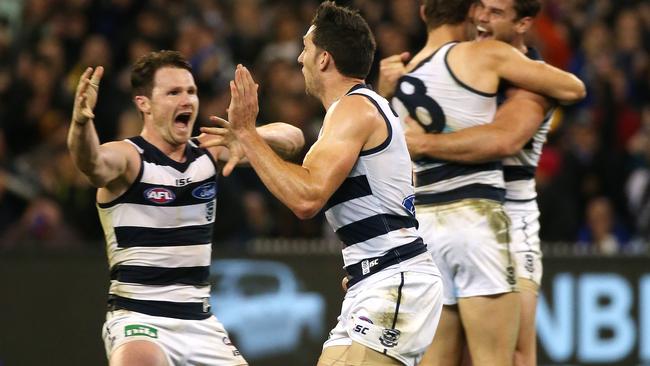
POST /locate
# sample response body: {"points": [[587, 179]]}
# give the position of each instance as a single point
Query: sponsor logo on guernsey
{"points": [[209, 211], [409, 204], [367, 265], [159, 195], [206, 305], [140, 330], [205, 191]]}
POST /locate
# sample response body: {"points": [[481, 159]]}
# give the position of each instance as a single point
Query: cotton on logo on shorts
{"points": [[140, 330]]}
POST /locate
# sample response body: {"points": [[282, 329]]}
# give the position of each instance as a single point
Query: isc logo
{"points": [[361, 329], [159, 195]]}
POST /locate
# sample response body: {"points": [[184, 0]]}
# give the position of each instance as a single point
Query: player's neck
{"points": [[445, 34], [519, 43], [175, 152], [336, 89]]}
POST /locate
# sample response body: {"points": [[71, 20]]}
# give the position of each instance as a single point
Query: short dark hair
{"points": [[441, 12], [527, 8], [144, 70], [346, 36]]}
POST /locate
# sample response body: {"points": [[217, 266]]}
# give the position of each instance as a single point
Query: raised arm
{"points": [[510, 64], [284, 139], [304, 189], [102, 164], [515, 123]]}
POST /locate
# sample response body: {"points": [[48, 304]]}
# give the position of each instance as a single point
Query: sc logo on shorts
{"points": [[361, 329]]}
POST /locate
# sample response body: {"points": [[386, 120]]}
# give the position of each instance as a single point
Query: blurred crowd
{"points": [[593, 181]]}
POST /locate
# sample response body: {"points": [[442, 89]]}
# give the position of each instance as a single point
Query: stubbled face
{"points": [[174, 104], [496, 19], [308, 60]]}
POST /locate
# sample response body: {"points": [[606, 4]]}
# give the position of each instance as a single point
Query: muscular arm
{"points": [[535, 76], [515, 123], [508, 63], [284, 139], [102, 164], [305, 189]]}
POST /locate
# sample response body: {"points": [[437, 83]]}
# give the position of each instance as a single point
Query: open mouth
{"points": [[482, 32], [183, 118]]}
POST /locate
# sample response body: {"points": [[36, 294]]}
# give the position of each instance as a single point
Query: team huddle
{"points": [[427, 182]]}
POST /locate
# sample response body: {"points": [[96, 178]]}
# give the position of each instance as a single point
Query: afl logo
{"points": [[159, 195], [205, 191]]}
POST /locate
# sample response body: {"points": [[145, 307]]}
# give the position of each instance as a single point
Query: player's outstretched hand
{"points": [[222, 136], [86, 95], [244, 107]]}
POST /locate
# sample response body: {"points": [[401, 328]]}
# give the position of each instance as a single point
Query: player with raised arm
{"points": [[156, 200]]}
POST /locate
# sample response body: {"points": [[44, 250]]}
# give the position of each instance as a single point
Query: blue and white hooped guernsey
{"points": [[159, 235], [441, 103], [372, 212]]}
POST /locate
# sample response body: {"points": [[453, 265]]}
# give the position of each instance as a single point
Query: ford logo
{"points": [[205, 191], [159, 195]]}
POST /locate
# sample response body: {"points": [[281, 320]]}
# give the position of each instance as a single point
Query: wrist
{"points": [[245, 133]]}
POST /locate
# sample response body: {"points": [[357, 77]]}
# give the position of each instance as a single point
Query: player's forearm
{"points": [[535, 76], [286, 140], [83, 144], [561, 85], [290, 183], [472, 145]]}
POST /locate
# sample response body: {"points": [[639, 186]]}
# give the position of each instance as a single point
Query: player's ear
{"points": [[523, 25], [325, 59], [142, 103]]}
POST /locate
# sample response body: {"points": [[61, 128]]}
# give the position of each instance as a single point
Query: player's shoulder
{"points": [[121, 145], [484, 47], [353, 111], [359, 106]]}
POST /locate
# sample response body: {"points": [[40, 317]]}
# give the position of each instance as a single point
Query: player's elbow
{"points": [[576, 93], [307, 209], [503, 149], [296, 141]]}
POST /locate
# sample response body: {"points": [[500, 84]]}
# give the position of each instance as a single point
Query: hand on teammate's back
{"points": [[391, 69]]}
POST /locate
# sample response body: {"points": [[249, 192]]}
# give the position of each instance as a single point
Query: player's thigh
{"points": [[491, 323], [447, 346], [138, 352], [354, 355], [526, 349]]}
